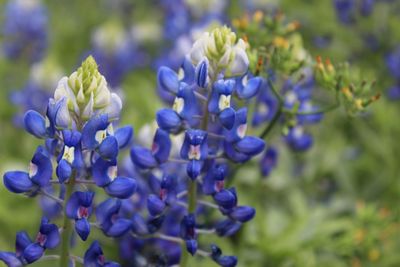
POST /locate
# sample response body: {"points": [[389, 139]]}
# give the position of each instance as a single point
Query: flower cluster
{"points": [[25, 30], [81, 147], [393, 64], [209, 115], [347, 10], [290, 81]]}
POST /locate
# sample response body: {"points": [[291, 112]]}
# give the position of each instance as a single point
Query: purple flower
{"points": [[94, 257], [39, 174], [79, 208]]}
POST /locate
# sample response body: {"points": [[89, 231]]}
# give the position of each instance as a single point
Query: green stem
{"points": [[192, 196], [67, 227], [277, 115], [192, 191]]}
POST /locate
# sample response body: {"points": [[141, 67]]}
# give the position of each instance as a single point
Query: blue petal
{"points": [[161, 146], [18, 182], [155, 223], [21, 242], [268, 161], [51, 145], [243, 213], [33, 252], [44, 167], [191, 246], [234, 155], [108, 149], [105, 210], [188, 70], [63, 170], [124, 136], [78, 199], [62, 117], [35, 124], [51, 232], [168, 120], [143, 158], [71, 138], [100, 171], [10, 259], [227, 118], [250, 145], [227, 261], [86, 198], [155, 205], [193, 168], [226, 199], [90, 129], [251, 89], [233, 134], [138, 224], [168, 80], [195, 137], [121, 187], [82, 227], [92, 254], [190, 106], [119, 228], [202, 73], [72, 206], [227, 227]]}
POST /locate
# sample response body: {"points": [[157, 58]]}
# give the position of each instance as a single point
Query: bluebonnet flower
{"points": [[222, 260], [94, 257], [108, 220], [269, 160], [215, 76], [159, 153], [393, 64], [195, 149], [38, 176], [79, 208], [79, 139], [25, 30], [345, 10], [28, 251], [188, 233]]}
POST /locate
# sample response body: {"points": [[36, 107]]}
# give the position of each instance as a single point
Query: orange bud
{"points": [[346, 91], [376, 97]]}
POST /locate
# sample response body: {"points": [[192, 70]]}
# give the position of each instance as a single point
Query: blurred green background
{"points": [[340, 210]]}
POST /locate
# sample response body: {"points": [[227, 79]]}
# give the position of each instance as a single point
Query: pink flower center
{"points": [[154, 148], [194, 152], [41, 238], [163, 194], [83, 212], [219, 185]]}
